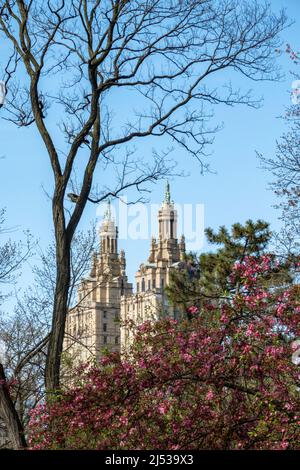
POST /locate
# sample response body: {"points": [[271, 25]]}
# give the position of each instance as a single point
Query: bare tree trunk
{"points": [[9, 415], [59, 318], [63, 274]]}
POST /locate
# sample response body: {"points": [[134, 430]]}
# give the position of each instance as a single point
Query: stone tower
{"points": [[166, 253], [93, 324]]}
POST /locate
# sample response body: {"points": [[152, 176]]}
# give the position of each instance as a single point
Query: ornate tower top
{"points": [[167, 193], [108, 226], [167, 217], [108, 232], [107, 213]]}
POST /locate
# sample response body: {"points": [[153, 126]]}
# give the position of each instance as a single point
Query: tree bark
{"points": [[9, 415], [60, 308]]}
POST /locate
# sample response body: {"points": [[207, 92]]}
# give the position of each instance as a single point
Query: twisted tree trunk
{"points": [[60, 308], [9, 415]]}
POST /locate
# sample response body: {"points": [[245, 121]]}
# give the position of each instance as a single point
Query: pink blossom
{"points": [[193, 310], [163, 408], [210, 395]]}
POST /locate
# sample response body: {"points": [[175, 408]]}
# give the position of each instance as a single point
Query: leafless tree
{"points": [[285, 169], [85, 60], [20, 333], [24, 334], [12, 256]]}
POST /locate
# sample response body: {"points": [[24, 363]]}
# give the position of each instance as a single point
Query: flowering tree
{"points": [[207, 276], [227, 384]]}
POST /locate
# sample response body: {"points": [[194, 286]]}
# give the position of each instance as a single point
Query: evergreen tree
{"points": [[206, 277]]}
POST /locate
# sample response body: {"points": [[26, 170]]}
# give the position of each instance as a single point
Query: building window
{"points": [[176, 315], [137, 286], [104, 314], [117, 340], [104, 326], [162, 283], [105, 339], [153, 284], [143, 285], [172, 225], [149, 284]]}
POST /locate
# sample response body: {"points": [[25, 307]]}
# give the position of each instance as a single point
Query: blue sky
{"points": [[235, 192]]}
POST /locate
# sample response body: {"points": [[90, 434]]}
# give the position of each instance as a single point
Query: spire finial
{"points": [[167, 193], [107, 213], [94, 265]]}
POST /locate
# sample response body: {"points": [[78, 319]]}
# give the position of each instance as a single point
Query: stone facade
{"points": [[94, 324], [106, 302], [166, 253]]}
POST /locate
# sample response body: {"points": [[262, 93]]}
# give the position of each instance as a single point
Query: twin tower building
{"points": [[107, 305]]}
